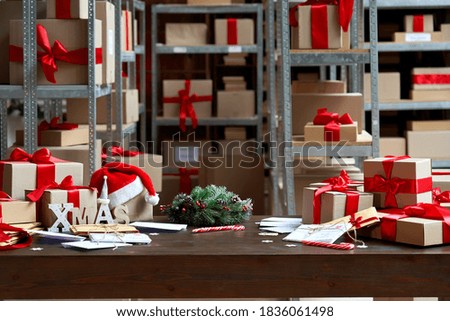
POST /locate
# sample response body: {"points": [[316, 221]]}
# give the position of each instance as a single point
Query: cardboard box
{"points": [[104, 11], [445, 30], [333, 204], [316, 133], [432, 144], [430, 95], [419, 23], [388, 86], [76, 136], [417, 36], [186, 34], [77, 9], [202, 88], [235, 133], [410, 230], [318, 87], [214, 2], [127, 31], [19, 176], [234, 31], [304, 108], [240, 174], [430, 78], [137, 210], [16, 212], [73, 35], [12, 10], [302, 37], [441, 179], [152, 164], [84, 213], [412, 174], [428, 125], [236, 104], [78, 108], [395, 146]]}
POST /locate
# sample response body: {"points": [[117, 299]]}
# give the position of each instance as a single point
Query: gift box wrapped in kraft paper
{"points": [[15, 212], [420, 225], [419, 23], [398, 181], [319, 26], [68, 9], [62, 46], [236, 104], [152, 164], [331, 127], [78, 111], [430, 84], [55, 133], [318, 87], [335, 198], [186, 34], [234, 31], [388, 86], [23, 171], [83, 198], [187, 99], [305, 106]]}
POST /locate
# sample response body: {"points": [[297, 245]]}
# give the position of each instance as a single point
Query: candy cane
{"points": [[342, 246], [219, 228]]}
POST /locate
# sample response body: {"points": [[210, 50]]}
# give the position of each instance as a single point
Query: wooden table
{"points": [[224, 265]]}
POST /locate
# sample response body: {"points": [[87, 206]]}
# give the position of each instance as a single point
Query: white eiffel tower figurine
{"points": [[104, 213]]}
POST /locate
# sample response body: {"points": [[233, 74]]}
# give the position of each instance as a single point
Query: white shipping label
{"points": [[417, 37], [110, 42]]}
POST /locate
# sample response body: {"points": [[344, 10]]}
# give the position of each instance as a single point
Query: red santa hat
{"points": [[124, 182]]}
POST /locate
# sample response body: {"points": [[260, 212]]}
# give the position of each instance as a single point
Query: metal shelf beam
{"points": [[411, 46], [207, 49], [409, 4], [222, 9]]}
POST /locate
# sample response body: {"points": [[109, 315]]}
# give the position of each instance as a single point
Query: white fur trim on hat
{"points": [[152, 199], [126, 193]]}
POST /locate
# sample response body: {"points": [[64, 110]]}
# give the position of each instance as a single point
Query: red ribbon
{"points": [[319, 27], [45, 172], [119, 151], [50, 55], [345, 11], [24, 238], [232, 36], [337, 184], [440, 197], [394, 185], [127, 30], [418, 23], [433, 79], [62, 9], [185, 178], [54, 125], [186, 104], [429, 211], [332, 122]]}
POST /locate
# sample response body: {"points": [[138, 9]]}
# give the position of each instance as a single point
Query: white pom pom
{"points": [[152, 199]]}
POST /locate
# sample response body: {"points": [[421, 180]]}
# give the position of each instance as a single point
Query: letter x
{"points": [[61, 217]]}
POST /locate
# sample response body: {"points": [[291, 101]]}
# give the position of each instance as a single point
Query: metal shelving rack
{"points": [[355, 59], [158, 49], [30, 92], [406, 104]]}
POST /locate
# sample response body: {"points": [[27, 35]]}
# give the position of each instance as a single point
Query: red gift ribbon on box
{"points": [[332, 123], [345, 8], [62, 9], [119, 151], [54, 125], [394, 185], [185, 178], [432, 79], [73, 191], [51, 55], [186, 101], [337, 184], [440, 197], [422, 210], [232, 35], [418, 23], [45, 163]]}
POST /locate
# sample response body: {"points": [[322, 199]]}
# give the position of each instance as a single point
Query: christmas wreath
{"points": [[209, 206]]}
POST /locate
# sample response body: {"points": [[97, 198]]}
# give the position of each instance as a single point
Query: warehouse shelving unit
{"points": [[159, 49], [407, 104], [355, 59]]}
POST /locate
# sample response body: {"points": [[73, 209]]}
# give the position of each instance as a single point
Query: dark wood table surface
{"points": [[224, 264]]}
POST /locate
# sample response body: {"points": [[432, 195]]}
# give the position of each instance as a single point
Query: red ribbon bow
{"points": [[119, 151], [440, 197], [41, 156], [345, 11], [24, 238], [48, 57], [337, 184], [186, 101], [55, 125], [332, 123], [66, 184]]}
